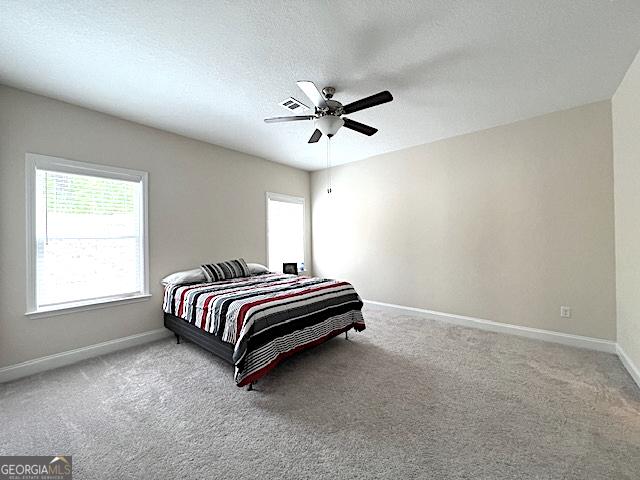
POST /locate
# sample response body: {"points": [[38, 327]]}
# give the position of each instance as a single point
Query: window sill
{"points": [[83, 306]]}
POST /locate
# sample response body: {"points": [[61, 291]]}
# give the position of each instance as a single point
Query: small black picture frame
{"points": [[290, 268]]}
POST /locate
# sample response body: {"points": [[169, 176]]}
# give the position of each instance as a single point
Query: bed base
{"points": [[185, 330]]}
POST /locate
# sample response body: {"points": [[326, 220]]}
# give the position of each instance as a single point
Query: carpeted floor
{"points": [[407, 398]]}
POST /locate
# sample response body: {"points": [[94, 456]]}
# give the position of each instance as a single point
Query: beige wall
{"points": [[626, 148], [206, 203], [505, 224]]}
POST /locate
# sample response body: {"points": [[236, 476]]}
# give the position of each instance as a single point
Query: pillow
{"points": [[188, 276], [225, 270], [257, 268]]}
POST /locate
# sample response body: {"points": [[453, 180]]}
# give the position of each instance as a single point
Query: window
{"points": [[285, 231], [86, 234]]}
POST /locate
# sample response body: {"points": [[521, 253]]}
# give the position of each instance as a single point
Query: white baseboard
{"points": [[30, 367], [633, 370], [536, 333], [37, 365]]}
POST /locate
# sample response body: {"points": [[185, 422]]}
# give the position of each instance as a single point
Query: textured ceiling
{"points": [[212, 70]]}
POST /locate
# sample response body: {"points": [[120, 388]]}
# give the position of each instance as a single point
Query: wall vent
{"points": [[293, 105]]}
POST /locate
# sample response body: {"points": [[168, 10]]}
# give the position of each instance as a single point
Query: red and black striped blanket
{"points": [[267, 317]]}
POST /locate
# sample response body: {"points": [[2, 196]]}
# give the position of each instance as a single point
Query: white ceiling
{"points": [[212, 70]]}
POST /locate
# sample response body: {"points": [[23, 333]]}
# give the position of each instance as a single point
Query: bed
{"points": [[256, 322]]}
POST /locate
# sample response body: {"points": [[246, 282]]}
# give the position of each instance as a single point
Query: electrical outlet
{"points": [[565, 312]]}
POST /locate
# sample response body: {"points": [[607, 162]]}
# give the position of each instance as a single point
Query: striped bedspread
{"points": [[267, 317]]}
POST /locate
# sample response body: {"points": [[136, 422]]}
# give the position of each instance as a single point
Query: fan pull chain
{"points": [[328, 165], [46, 208]]}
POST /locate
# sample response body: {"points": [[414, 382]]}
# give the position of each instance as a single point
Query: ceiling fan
{"points": [[328, 112]]}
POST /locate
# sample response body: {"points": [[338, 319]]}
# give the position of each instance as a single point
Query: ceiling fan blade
{"points": [[315, 137], [312, 92], [289, 119], [359, 127], [368, 102]]}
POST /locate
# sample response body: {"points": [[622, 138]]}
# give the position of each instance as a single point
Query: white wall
{"points": [[206, 203], [506, 224], [626, 148]]}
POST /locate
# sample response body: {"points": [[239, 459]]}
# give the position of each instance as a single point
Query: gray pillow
{"points": [[187, 276], [257, 268]]}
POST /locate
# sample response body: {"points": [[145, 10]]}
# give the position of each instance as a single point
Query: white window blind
{"points": [[285, 231], [88, 235]]}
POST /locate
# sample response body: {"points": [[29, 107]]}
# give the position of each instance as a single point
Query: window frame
{"points": [[281, 197], [34, 162]]}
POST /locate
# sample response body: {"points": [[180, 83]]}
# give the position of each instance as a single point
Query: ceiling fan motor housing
{"points": [[329, 124]]}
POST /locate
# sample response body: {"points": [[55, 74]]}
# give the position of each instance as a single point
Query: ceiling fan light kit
{"points": [[329, 124], [328, 112]]}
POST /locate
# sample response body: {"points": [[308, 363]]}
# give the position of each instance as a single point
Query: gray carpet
{"points": [[408, 398]]}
